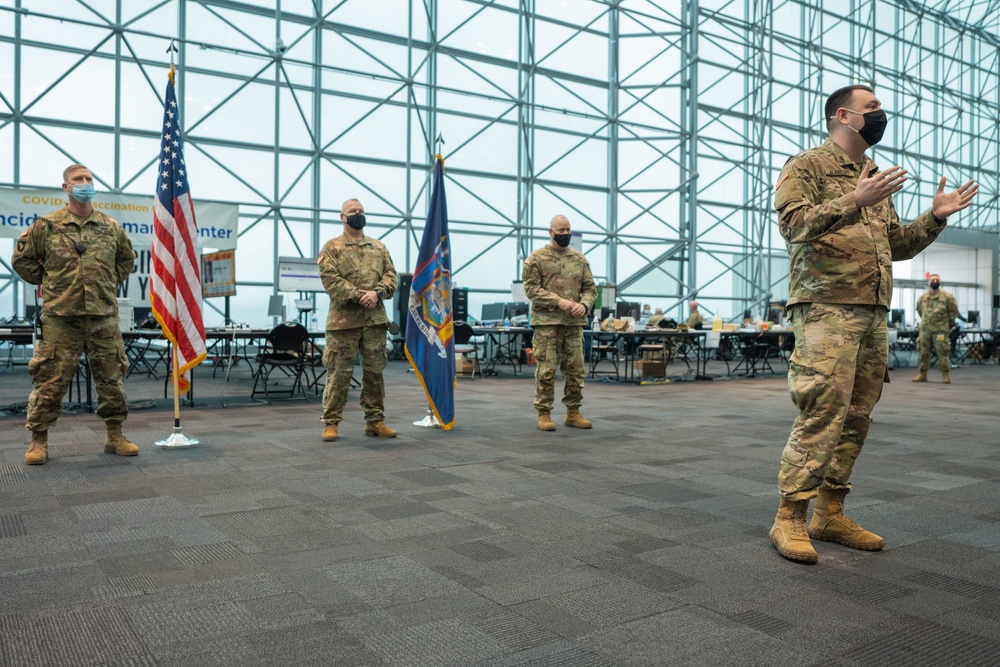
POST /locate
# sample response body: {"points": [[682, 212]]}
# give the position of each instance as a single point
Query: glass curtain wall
{"points": [[657, 127]]}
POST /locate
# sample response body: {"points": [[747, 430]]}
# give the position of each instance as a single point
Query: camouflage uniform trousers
{"points": [[941, 342], [342, 347], [558, 347], [835, 379], [57, 356]]}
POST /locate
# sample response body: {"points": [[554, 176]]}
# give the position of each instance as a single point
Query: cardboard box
{"points": [[464, 366], [650, 369]]}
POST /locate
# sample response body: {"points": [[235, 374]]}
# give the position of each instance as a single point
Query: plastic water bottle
{"points": [[717, 322], [315, 323], [506, 322]]}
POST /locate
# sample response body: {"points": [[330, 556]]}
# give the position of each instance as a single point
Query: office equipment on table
{"points": [[276, 306], [493, 312], [299, 274], [972, 320], [628, 309]]}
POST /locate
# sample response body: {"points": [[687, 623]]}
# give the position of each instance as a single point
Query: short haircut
{"points": [[70, 169], [934, 275], [839, 98], [348, 201], [558, 216]]}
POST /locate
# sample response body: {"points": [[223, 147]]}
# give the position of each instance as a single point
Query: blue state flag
{"points": [[430, 339]]}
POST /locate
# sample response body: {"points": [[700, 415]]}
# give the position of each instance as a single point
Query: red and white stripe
{"points": [[175, 283]]}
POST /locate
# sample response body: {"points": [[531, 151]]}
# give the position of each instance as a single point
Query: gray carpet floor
{"points": [[640, 542]]}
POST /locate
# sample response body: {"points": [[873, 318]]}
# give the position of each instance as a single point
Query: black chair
{"points": [[604, 348], [285, 348], [468, 348]]}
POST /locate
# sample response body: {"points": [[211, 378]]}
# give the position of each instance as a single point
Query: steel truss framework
{"points": [[657, 126]]}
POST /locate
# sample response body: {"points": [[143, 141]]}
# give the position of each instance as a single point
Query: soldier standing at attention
{"points": [[695, 320], [79, 256], [836, 216], [938, 311], [358, 274], [558, 283]]}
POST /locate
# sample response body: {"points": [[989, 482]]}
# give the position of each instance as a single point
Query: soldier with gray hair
{"points": [[79, 256], [836, 216], [358, 274]]}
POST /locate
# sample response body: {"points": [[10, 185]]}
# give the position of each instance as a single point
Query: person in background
{"points": [[938, 310], [694, 320]]}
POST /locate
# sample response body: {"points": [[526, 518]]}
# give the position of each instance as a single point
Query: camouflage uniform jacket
{"points": [[550, 275], [839, 253], [937, 311], [695, 320], [75, 284], [347, 267]]}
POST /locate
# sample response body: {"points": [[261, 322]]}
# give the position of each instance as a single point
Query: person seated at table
{"points": [[694, 320]]}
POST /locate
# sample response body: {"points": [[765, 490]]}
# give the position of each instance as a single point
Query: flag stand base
{"points": [[430, 421], [177, 440]]}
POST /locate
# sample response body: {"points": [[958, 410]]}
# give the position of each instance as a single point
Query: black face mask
{"points": [[356, 221], [875, 122], [935, 284], [562, 240]]}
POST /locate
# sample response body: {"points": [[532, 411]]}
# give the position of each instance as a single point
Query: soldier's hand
{"points": [[566, 306], [878, 187], [369, 299], [946, 203], [578, 310]]}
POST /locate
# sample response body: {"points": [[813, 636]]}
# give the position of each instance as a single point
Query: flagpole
{"points": [[429, 334], [176, 439]]}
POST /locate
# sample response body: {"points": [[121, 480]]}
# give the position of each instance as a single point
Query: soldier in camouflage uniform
{"points": [[558, 283], [695, 320], [836, 216], [938, 311], [358, 274], [79, 256]]}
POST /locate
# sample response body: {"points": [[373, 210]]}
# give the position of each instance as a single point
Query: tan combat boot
{"points": [[788, 534], [946, 377], [330, 433], [576, 420], [921, 377], [116, 443], [379, 430], [830, 524], [545, 422], [38, 450]]}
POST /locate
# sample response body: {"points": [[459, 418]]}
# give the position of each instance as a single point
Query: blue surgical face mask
{"points": [[83, 193]]}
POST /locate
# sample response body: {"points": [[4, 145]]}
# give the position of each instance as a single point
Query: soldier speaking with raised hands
{"points": [[837, 218]]}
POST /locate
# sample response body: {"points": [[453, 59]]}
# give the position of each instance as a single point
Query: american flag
{"points": [[175, 282]]}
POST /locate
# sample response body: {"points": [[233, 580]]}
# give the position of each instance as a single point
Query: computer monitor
{"points": [[628, 309], [606, 312], [774, 315], [896, 316], [276, 306], [515, 308], [973, 318], [493, 312]]}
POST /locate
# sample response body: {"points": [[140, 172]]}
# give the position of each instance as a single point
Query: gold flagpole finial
{"points": [[172, 49]]}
